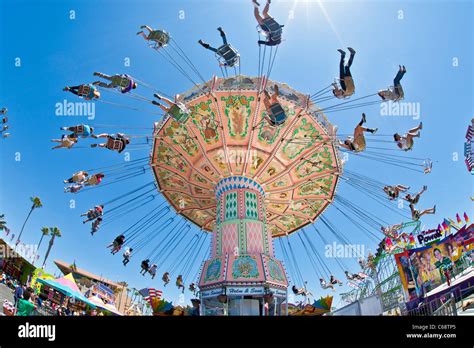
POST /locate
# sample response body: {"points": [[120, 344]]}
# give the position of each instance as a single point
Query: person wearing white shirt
{"points": [[405, 142], [126, 256]]}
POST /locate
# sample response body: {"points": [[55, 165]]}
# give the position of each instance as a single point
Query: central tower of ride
{"points": [[242, 274]]}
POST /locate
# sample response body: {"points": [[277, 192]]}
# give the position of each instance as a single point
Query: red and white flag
{"points": [[149, 293]]}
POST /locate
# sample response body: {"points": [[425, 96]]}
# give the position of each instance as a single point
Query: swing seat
{"points": [[228, 55], [400, 92], [91, 215], [84, 90], [277, 114], [114, 144], [179, 113], [160, 37], [271, 29], [79, 130], [122, 81]]}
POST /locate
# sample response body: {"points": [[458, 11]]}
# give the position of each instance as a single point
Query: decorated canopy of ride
{"points": [[223, 133]]}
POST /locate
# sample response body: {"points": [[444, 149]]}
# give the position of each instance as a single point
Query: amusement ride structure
{"points": [[248, 160], [226, 169]]}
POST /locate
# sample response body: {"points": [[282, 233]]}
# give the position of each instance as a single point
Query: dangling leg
{"points": [[102, 135], [162, 107], [416, 199], [347, 68], [70, 129], [103, 84], [223, 36], [342, 70], [351, 58], [166, 100], [359, 129], [256, 13], [104, 76], [344, 145], [276, 94], [411, 135], [147, 28], [99, 145], [415, 131], [413, 212], [428, 211], [143, 35], [402, 188], [398, 78], [207, 46], [267, 100], [266, 9], [73, 89]]}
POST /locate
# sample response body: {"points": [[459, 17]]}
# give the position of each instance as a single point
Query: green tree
{"points": [[36, 204], [44, 232], [55, 232], [3, 222]]}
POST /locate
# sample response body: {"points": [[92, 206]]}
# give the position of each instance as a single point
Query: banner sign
{"points": [[423, 269], [211, 293], [239, 291]]}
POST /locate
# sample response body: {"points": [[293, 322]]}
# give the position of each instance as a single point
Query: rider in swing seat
{"points": [[145, 266], [346, 86], [275, 111], [175, 109], [124, 82], [115, 142], [228, 55], [88, 92], [268, 25], [160, 38], [166, 278], [82, 130]]}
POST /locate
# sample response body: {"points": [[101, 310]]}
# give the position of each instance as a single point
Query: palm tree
{"points": [[55, 232], [3, 222], [36, 204], [44, 232]]}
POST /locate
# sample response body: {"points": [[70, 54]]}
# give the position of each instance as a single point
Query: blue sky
{"points": [[56, 51]]}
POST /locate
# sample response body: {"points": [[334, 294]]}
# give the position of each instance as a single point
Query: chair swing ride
{"points": [[248, 160]]}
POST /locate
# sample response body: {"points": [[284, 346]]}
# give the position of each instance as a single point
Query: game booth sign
{"points": [[427, 267]]}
